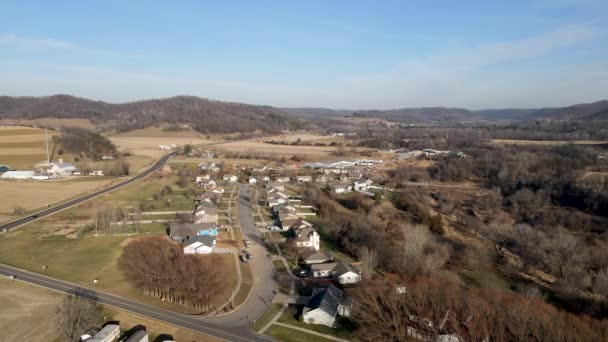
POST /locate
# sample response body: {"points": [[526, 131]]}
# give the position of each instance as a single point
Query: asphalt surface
{"points": [[265, 282], [238, 333], [52, 210]]}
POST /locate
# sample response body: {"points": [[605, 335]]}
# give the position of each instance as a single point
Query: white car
{"points": [[274, 228]]}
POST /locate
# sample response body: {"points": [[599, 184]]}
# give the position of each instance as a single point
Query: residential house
{"points": [[324, 306], [321, 179], [92, 173], [340, 188], [310, 256], [304, 179], [198, 244], [287, 219], [109, 333], [253, 181], [207, 184], [230, 178], [206, 213], [362, 184], [307, 237], [180, 232], [274, 186], [266, 179], [343, 273], [300, 224], [283, 179]]}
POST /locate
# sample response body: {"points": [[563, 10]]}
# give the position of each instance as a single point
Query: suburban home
{"points": [[304, 179], [340, 188], [218, 190], [310, 256], [198, 244], [182, 231], [280, 187], [18, 175], [253, 181], [288, 219], [362, 184], [283, 179], [266, 179], [230, 178], [300, 224], [324, 306], [109, 333], [205, 214], [307, 237], [62, 169], [207, 184], [321, 179], [346, 274]]}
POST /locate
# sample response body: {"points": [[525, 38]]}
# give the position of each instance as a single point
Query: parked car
{"points": [[249, 256], [302, 273], [243, 257], [274, 228], [246, 242]]}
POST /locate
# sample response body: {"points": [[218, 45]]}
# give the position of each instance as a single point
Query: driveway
{"points": [[265, 283]]}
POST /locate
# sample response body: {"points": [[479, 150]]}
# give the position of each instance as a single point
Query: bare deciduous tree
{"points": [[76, 315]]}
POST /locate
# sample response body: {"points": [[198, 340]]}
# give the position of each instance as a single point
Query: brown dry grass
{"points": [[260, 147], [50, 122], [29, 194], [27, 312]]}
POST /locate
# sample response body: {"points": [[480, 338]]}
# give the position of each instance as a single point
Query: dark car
{"points": [[302, 273]]}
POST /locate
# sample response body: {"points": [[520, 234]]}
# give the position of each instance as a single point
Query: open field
{"points": [[308, 137], [249, 146], [146, 141], [27, 312], [546, 142], [30, 194], [22, 147], [49, 122]]}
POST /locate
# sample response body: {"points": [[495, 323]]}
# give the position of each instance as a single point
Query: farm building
{"points": [[18, 175], [62, 169], [109, 333]]}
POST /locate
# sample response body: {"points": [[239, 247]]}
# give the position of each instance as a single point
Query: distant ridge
{"points": [[203, 115], [586, 111]]}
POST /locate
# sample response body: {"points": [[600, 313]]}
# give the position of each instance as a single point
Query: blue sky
{"points": [[337, 54]]}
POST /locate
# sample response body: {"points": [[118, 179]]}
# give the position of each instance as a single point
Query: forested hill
{"points": [[203, 115], [586, 111]]}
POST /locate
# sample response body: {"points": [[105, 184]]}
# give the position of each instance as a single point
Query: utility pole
{"points": [[46, 139]]}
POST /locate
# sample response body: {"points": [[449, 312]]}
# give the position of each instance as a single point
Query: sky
{"points": [[335, 54]]}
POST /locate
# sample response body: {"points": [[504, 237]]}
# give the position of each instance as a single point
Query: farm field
{"points": [[249, 146], [22, 147], [27, 312], [29, 194], [49, 122], [45, 242], [146, 141]]}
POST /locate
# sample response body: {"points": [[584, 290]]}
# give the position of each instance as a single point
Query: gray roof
{"points": [[325, 299], [317, 255], [343, 267], [138, 336], [323, 267], [183, 230], [206, 240], [65, 165]]}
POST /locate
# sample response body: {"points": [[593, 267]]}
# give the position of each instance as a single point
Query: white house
{"points": [[341, 188], [266, 179], [344, 273], [324, 306], [200, 244], [321, 179], [253, 181], [304, 179], [62, 169], [307, 237], [231, 178], [283, 179], [164, 147], [362, 184]]}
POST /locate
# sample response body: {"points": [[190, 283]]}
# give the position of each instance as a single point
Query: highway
{"points": [[237, 333], [52, 210]]}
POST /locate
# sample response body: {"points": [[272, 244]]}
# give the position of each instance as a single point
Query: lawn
{"points": [[288, 318], [290, 335], [267, 316]]}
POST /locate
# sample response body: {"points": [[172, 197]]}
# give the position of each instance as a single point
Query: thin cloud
{"points": [[37, 44]]}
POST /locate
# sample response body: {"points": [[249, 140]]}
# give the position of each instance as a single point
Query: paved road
{"points": [[265, 283], [46, 212], [232, 333]]}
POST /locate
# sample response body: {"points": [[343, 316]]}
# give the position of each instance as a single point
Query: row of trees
{"points": [[160, 269], [83, 142]]}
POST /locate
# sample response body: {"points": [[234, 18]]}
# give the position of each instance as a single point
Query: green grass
{"points": [[288, 318], [290, 335], [267, 316]]}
